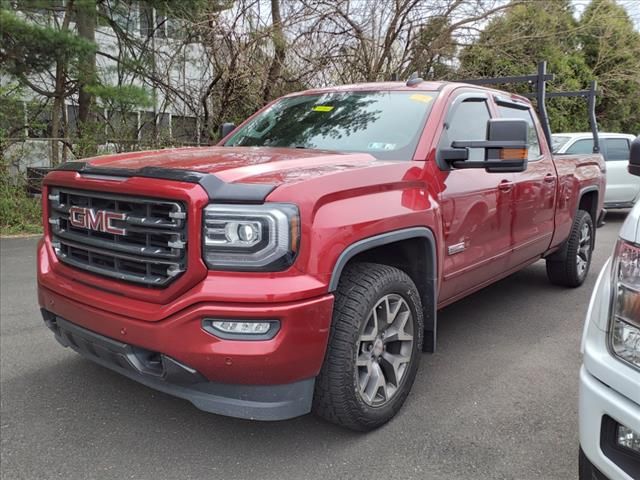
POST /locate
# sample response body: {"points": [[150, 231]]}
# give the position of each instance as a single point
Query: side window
{"points": [[617, 149], [469, 122], [522, 114], [581, 146]]}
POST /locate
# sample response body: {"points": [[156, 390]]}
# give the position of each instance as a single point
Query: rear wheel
{"points": [[374, 347], [569, 266]]}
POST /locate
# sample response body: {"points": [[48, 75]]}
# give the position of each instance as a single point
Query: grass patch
{"points": [[19, 212]]}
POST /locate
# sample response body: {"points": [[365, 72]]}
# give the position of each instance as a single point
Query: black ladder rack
{"points": [[540, 80]]}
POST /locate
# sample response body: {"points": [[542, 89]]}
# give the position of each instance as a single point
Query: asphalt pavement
{"points": [[497, 401]]}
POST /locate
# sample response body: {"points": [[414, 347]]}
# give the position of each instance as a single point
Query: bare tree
{"points": [[374, 41], [279, 46]]}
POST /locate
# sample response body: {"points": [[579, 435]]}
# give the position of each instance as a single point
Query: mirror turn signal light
{"points": [[514, 153]]}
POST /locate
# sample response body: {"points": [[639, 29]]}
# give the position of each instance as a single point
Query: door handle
{"points": [[505, 186], [549, 178]]}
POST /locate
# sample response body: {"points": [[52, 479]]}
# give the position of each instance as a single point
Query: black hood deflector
{"points": [[217, 190]]}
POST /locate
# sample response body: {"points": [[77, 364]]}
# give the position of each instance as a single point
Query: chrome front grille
{"points": [[135, 239]]}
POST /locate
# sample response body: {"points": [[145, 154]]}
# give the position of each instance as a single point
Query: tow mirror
{"points": [[634, 157], [226, 128], [506, 149]]}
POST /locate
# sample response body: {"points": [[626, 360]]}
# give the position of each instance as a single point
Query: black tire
{"points": [[564, 267], [338, 397]]}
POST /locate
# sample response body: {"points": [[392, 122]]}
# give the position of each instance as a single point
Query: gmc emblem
{"points": [[98, 220]]}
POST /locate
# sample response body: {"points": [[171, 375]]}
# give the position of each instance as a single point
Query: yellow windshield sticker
{"points": [[322, 108], [419, 97]]}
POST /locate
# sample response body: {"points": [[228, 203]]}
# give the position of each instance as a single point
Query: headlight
{"points": [[250, 237], [625, 311]]}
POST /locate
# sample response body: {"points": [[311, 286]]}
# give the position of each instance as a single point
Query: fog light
{"points": [[241, 329], [627, 438]]}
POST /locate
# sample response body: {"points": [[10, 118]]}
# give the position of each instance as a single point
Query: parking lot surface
{"points": [[497, 401]]}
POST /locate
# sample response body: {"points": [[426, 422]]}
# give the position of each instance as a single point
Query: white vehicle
{"points": [[623, 189], [610, 373]]}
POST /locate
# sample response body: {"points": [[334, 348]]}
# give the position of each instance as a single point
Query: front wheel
{"points": [[374, 347], [569, 266]]}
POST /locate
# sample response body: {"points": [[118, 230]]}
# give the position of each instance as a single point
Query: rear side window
{"points": [[617, 149], [581, 146], [469, 122], [522, 114]]}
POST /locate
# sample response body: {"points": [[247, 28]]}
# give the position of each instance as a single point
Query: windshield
{"points": [[558, 141], [385, 124]]}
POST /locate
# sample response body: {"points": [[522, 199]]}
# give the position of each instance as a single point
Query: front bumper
{"points": [[295, 353], [597, 403], [609, 391], [163, 373], [260, 379]]}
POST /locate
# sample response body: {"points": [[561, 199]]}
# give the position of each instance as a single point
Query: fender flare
{"points": [[561, 252], [429, 296], [596, 214], [584, 191]]}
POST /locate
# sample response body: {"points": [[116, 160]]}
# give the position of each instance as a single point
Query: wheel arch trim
{"points": [[429, 297], [585, 191]]}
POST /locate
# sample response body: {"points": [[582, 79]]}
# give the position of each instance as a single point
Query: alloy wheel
{"points": [[584, 249], [384, 351]]}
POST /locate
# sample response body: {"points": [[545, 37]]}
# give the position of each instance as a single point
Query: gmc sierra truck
{"points": [[299, 264]]}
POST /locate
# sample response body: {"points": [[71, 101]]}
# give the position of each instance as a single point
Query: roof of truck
{"points": [[378, 86], [427, 86]]}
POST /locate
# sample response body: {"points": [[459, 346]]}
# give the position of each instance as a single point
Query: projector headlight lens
{"points": [[250, 237]]}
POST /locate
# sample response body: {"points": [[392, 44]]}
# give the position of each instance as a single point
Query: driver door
{"points": [[476, 205]]}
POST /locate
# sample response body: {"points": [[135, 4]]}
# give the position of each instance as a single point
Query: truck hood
{"points": [[266, 165]]}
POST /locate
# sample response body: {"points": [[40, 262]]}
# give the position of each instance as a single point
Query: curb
{"points": [[20, 235]]}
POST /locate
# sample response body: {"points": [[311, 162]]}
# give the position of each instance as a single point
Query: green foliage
{"points": [[121, 98], [86, 144], [611, 48], [11, 113], [433, 50], [29, 48], [528, 33], [19, 212]]}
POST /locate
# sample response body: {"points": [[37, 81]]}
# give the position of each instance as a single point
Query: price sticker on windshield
{"points": [[420, 97], [322, 108]]}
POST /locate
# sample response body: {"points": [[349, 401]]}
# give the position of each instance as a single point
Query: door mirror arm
{"points": [[453, 154], [506, 165], [490, 144]]}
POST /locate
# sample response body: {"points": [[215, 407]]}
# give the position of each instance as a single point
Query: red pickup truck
{"points": [[299, 265]]}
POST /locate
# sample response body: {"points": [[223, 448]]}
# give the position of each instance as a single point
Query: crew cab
{"points": [[299, 265], [623, 189], [610, 373]]}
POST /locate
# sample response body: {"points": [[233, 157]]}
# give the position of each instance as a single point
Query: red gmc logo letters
{"points": [[99, 220]]}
